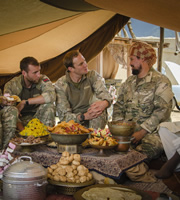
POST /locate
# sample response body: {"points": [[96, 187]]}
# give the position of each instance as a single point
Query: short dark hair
{"points": [[68, 58], [28, 61]]}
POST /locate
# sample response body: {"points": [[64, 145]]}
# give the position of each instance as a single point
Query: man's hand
{"points": [[97, 108], [6, 102], [21, 105], [20, 126], [138, 136]]}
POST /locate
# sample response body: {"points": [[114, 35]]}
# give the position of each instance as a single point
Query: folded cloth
{"points": [[100, 179], [140, 172], [174, 127]]}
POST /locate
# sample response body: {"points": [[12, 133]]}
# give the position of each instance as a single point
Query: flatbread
{"points": [[16, 98], [13, 98], [109, 193]]}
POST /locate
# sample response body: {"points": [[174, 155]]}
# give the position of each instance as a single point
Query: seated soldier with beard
{"points": [[36, 92], [146, 98]]}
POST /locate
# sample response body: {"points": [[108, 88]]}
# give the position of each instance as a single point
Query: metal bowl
{"points": [[124, 143], [69, 138], [121, 128]]}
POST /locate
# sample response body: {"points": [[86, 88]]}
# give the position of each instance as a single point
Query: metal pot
{"points": [[24, 180]]}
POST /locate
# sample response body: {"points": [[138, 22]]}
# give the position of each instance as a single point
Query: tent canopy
{"points": [[47, 29]]}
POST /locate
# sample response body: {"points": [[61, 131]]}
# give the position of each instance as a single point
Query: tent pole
{"points": [[101, 63], [160, 49]]}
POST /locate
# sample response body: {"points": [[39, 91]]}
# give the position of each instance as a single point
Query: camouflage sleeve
{"points": [[13, 87], [0, 92], [118, 107], [99, 87], [162, 104], [62, 104], [48, 90]]}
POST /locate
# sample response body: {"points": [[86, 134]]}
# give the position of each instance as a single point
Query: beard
{"points": [[32, 81], [136, 71]]}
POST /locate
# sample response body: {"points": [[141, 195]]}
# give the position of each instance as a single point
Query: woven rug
{"points": [[158, 186]]}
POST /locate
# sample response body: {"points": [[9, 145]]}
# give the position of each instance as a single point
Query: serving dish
{"points": [[144, 195], [24, 144], [70, 188], [69, 139], [101, 152], [124, 143], [28, 147], [121, 128]]}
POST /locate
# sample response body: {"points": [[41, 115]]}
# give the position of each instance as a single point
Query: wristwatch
{"points": [[82, 117], [27, 103]]}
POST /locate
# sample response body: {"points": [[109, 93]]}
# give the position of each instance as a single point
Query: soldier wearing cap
{"points": [[36, 92], [146, 98]]}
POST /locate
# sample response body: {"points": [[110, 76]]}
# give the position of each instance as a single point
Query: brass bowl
{"points": [[123, 143], [69, 138], [121, 128], [70, 188]]}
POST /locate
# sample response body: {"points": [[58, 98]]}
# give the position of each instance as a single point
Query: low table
{"points": [[113, 165]]}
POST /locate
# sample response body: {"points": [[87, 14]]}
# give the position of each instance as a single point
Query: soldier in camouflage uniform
{"points": [[146, 98], [8, 121], [81, 94], [36, 92]]}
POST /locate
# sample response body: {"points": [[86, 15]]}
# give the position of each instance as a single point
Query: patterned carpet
{"points": [[158, 186]]}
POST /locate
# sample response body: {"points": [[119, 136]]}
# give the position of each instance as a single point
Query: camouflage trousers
{"points": [[45, 113], [99, 122], [150, 145], [8, 123]]}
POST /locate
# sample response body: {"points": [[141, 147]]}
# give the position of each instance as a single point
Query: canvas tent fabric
{"points": [[163, 13], [48, 31], [50, 38]]}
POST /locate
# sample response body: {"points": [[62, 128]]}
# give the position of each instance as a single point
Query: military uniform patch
{"points": [[46, 80]]}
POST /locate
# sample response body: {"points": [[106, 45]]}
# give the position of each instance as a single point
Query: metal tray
{"points": [[70, 188], [66, 184], [29, 144], [144, 195], [101, 152]]}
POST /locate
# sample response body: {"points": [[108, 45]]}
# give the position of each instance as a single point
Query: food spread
{"points": [[13, 98], [110, 193], [101, 137], [69, 169], [69, 128], [35, 128], [29, 140]]}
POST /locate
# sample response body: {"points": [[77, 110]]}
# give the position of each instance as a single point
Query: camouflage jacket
{"points": [[148, 103], [44, 87], [74, 99]]}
